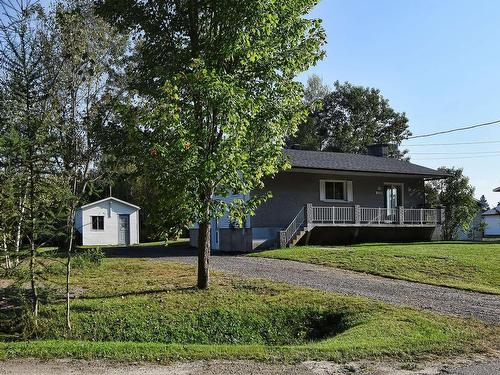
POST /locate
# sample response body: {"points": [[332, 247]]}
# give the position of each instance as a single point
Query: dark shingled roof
{"points": [[356, 162]]}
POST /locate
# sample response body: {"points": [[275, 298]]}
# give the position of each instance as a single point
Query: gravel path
{"points": [[80, 367], [482, 306]]}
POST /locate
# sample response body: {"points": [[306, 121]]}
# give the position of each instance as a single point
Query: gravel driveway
{"points": [[80, 367], [485, 307]]}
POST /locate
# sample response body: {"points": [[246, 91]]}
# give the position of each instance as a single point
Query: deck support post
{"points": [[357, 214], [401, 215], [282, 239], [441, 215], [308, 216]]}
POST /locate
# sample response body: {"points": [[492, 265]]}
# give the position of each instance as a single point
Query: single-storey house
{"points": [[109, 221], [492, 220], [329, 197]]}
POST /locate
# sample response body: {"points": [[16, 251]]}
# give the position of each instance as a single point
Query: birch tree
{"points": [[88, 52]]}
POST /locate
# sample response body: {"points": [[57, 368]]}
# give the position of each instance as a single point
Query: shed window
{"points": [[98, 222]]}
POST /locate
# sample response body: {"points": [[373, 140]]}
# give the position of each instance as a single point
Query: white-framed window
{"points": [[97, 222], [335, 190]]}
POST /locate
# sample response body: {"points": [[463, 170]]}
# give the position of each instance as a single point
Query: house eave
{"points": [[365, 173]]}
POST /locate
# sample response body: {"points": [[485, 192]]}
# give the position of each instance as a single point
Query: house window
{"points": [[98, 222], [335, 191]]}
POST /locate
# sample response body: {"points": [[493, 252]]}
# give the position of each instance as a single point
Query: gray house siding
{"points": [[292, 190]]}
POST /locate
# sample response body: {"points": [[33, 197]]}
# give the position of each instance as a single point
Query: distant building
{"points": [[492, 220]]}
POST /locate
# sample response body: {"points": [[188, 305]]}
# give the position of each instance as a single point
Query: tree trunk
{"points": [[6, 251], [22, 208], [34, 289], [68, 278], [203, 254], [68, 267]]}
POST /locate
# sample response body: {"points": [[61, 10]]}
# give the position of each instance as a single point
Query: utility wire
{"points": [[456, 153], [459, 158], [455, 130], [448, 144]]}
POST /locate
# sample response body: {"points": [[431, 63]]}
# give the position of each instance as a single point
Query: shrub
{"points": [[88, 258]]}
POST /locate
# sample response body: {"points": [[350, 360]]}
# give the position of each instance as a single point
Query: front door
{"points": [[124, 229], [393, 198]]}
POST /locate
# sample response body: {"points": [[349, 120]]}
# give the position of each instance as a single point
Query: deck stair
{"points": [[295, 230], [297, 236]]}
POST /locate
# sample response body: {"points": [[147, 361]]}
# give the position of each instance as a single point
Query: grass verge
{"points": [[463, 265], [138, 309]]}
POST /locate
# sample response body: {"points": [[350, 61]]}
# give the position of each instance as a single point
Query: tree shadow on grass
{"points": [[139, 293], [155, 251]]}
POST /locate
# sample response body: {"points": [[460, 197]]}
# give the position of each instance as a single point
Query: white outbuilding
{"points": [[109, 221]]}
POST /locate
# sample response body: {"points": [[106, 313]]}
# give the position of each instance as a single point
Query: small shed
{"points": [[109, 221]]}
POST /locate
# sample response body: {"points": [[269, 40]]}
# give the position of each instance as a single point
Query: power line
{"points": [[457, 158], [455, 130], [449, 144], [456, 153]]}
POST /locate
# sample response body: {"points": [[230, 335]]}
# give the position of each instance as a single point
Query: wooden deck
{"points": [[311, 216]]}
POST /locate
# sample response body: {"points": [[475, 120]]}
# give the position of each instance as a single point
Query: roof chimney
{"points": [[378, 149]]}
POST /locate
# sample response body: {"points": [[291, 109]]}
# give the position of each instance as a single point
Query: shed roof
{"points": [[357, 163], [108, 199]]}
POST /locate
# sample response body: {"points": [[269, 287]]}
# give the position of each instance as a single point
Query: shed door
{"points": [[124, 229]]}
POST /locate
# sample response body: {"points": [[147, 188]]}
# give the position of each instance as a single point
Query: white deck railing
{"points": [[295, 225], [379, 215], [420, 216], [371, 215], [327, 215]]}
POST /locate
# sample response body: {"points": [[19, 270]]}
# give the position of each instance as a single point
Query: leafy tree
{"points": [[315, 89], [456, 194], [218, 76], [352, 117], [483, 203], [85, 56], [307, 136]]}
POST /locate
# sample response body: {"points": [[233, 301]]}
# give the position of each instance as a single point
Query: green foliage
{"points": [[483, 204], [218, 81], [88, 258], [456, 194], [349, 118], [464, 265]]}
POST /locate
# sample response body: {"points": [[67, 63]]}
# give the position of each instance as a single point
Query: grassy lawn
{"points": [[138, 309], [464, 265]]}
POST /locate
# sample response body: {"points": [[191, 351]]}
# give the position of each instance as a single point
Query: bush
{"points": [[88, 258]]}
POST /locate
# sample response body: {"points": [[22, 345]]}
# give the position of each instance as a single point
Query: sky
{"points": [[436, 60]]}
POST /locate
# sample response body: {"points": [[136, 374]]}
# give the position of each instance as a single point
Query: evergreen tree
{"points": [[483, 203]]}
